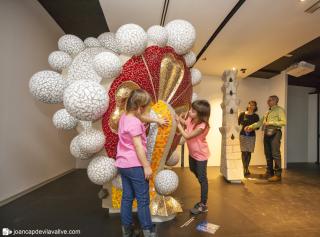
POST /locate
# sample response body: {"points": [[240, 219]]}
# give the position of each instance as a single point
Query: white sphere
{"points": [[195, 76], [92, 42], [75, 150], [158, 35], [85, 100], [190, 58], [132, 39], [174, 159], [107, 65], [59, 60], [91, 141], [181, 36], [63, 120], [108, 40], [117, 182], [81, 67], [102, 169], [194, 97], [71, 44], [166, 182], [47, 86]]}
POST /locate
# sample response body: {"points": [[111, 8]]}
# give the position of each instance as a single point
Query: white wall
{"points": [[298, 111], [249, 89], [31, 149], [312, 128]]}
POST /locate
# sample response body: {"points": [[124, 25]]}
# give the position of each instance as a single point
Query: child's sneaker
{"points": [[200, 209]]}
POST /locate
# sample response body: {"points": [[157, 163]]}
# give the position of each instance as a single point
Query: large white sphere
{"points": [[63, 120], [195, 76], [47, 86], [91, 141], [181, 36], [71, 44], [75, 150], [174, 159], [166, 182], [190, 58], [107, 65], [132, 39], [108, 40], [85, 100], [158, 35], [102, 169], [92, 42], [117, 182], [59, 60], [194, 96], [81, 67]]}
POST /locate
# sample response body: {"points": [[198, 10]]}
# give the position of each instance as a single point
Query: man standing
{"points": [[272, 122]]}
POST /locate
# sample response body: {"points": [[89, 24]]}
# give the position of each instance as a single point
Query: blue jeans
{"points": [[134, 185]]}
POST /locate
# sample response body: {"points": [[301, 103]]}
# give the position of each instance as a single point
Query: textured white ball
{"points": [[92, 42], [63, 120], [85, 100], [166, 182], [108, 40], [117, 182], [195, 76], [190, 58], [174, 159], [194, 97], [71, 44], [102, 169], [132, 39], [107, 65], [75, 150], [158, 35], [59, 60], [47, 86], [91, 141], [181, 36]]}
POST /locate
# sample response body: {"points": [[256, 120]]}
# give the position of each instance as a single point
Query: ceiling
{"points": [[254, 35]]}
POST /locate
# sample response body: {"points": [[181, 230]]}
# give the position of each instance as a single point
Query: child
{"points": [[132, 163], [197, 128]]}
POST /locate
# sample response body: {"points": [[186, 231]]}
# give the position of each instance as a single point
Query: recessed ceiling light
{"points": [[302, 0], [288, 55]]}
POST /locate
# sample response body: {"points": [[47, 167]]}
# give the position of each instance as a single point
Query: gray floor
{"points": [[252, 209]]}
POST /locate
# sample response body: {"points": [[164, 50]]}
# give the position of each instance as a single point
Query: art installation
{"points": [[93, 78], [231, 164]]}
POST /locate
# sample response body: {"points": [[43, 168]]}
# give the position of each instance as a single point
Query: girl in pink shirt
{"points": [[132, 163], [195, 132]]}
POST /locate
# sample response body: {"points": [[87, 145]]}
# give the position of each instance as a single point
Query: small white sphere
{"points": [[101, 170], [107, 65], [85, 100], [71, 44], [166, 182], [174, 159], [194, 97], [195, 76], [75, 150], [181, 36], [190, 58], [158, 35], [108, 40], [132, 39], [47, 86], [91, 141], [63, 120], [92, 42], [59, 60], [117, 182]]}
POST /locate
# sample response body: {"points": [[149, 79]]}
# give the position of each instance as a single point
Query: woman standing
{"points": [[248, 139]]}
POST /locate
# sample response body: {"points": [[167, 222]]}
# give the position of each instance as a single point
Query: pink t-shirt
{"points": [[129, 127], [198, 146]]}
